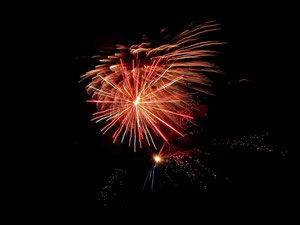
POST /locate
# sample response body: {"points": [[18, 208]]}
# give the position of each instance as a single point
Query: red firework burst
{"points": [[143, 90]]}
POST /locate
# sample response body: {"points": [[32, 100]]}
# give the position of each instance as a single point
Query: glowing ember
{"points": [[157, 159]]}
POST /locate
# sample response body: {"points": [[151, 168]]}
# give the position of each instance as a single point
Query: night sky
{"points": [[83, 159]]}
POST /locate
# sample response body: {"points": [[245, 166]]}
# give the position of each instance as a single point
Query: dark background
{"points": [[78, 159]]}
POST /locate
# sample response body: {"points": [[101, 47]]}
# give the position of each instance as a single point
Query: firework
{"points": [[145, 91], [176, 163]]}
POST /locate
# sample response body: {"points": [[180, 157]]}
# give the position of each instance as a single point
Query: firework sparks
{"points": [[143, 90], [174, 163]]}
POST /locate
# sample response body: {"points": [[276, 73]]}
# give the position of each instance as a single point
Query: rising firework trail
{"points": [[157, 159], [145, 92]]}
